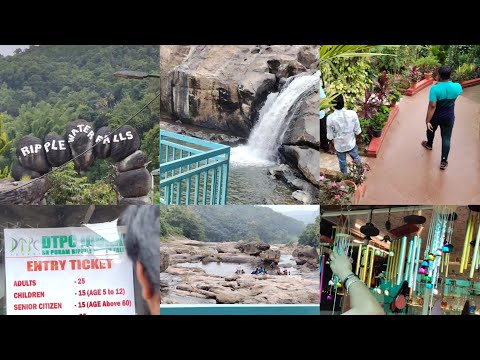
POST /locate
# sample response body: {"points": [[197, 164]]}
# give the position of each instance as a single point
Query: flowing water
{"points": [[249, 181]]}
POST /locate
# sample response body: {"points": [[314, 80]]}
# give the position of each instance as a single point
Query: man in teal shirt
{"points": [[441, 112], [323, 124]]}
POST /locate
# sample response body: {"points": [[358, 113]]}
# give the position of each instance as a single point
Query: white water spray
{"points": [[266, 136]]}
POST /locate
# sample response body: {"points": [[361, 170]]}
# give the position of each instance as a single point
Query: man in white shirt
{"points": [[342, 127]]}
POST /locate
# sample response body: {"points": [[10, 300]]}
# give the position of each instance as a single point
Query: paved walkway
{"points": [[406, 173], [330, 162]]}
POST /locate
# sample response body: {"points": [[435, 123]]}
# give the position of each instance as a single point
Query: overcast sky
{"points": [[9, 49], [281, 208]]}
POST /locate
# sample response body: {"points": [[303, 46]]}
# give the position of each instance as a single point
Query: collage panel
{"points": [[405, 260], [79, 260], [239, 124], [79, 124], [240, 260], [400, 124]]}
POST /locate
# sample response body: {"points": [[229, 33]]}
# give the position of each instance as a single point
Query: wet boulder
{"points": [[80, 136], [31, 154], [102, 150], [253, 248], [270, 255], [141, 200], [18, 171], [134, 183], [136, 160], [56, 150], [124, 141], [164, 261]]}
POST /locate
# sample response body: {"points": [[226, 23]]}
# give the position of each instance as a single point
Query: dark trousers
{"points": [[323, 133], [446, 128]]}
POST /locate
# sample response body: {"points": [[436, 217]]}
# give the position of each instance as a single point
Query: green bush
{"points": [[464, 72], [71, 189], [427, 64], [351, 81]]}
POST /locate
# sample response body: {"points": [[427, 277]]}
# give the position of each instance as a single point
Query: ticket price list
{"points": [[100, 292], [28, 289]]}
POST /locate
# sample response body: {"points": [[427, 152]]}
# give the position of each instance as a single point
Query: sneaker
{"points": [[425, 145], [443, 164]]}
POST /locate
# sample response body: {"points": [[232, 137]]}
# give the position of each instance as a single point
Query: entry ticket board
{"points": [[67, 271]]}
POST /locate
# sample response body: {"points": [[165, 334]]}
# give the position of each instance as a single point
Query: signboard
{"points": [[67, 271]]}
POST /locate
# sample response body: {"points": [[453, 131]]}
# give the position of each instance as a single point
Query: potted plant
{"points": [[377, 122], [382, 86], [427, 65], [464, 72], [414, 76], [394, 97]]}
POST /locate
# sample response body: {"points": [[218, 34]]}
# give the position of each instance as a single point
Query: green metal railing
{"points": [[239, 309], [192, 171]]}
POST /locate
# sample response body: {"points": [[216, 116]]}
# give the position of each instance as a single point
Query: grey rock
{"points": [[164, 261], [306, 159], [134, 183], [31, 154], [136, 160], [141, 200], [104, 147], [253, 248], [270, 255], [125, 141], [80, 136], [56, 149], [18, 171]]}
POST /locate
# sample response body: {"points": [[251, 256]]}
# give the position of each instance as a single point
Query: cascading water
{"points": [[265, 138]]}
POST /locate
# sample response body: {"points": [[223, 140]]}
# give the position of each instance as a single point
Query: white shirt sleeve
{"points": [[357, 129], [330, 130]]}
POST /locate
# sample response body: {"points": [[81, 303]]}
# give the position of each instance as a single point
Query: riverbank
{"points": [[204, 272]]}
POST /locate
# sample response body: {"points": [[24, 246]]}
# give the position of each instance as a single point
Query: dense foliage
{"points": [[45, 87], [70, 188], [351, 78], [311, 234], [229, 223]]}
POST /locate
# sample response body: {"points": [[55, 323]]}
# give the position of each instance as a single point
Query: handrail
{"points": [[192, 170], [239, 309]]}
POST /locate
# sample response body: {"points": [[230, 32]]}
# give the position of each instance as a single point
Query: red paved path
{"points": [[406, 173]]}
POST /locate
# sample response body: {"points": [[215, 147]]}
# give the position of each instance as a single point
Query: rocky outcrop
{"points": [[103, 148], [31, 154], [306, 255], [192, 284], [80, 136], [253, 248], [270, 255], [224, 87], [306, 193], [306, 159], [164, 261], [56, 149], [124, 142], [134, 183], [304, 127], [35, 157]]}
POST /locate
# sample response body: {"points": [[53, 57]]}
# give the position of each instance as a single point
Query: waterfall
{"points": [[267, 134]]}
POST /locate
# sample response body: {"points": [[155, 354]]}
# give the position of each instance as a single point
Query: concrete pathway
{"points": [[330, 162], [406, 173]]}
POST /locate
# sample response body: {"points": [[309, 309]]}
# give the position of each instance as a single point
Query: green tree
{"points": [[311, 235], [150, 146], [71, 189]]}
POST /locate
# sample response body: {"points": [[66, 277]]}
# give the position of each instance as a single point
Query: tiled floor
{"points": [[406, 173]]}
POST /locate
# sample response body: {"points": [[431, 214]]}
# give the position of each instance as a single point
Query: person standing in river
{"points": [[441, 112]]}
